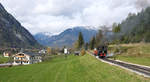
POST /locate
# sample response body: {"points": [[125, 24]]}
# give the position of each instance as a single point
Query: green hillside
{"points": [[73, 69]]}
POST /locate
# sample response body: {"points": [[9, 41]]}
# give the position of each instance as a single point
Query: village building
{"points": [[6, 54], [27, 58], [42, 51]]}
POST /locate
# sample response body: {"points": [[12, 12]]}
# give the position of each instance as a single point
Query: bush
{"points": [[83, 52]]}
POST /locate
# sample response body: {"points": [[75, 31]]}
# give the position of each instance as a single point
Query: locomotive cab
{"points": [[102, 51]]}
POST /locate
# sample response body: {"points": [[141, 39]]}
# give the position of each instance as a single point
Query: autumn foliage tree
{"points": [[48, 50]]}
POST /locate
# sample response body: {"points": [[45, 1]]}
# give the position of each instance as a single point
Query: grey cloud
{"points": [[58, 15], [62, 7]]}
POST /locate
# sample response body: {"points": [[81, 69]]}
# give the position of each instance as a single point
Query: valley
{"points": [[74, 68], [73, 41]]}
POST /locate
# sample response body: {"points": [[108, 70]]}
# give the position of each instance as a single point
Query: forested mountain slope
{"points": [[136, 27]]}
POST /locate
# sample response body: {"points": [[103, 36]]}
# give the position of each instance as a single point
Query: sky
{"points": [[54, 16]]}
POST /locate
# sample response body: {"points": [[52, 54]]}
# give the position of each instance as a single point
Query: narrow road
{"points": [[5, 65]]}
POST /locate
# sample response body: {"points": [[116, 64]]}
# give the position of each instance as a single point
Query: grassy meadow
{"points": [[3, 59], [135, 53], [71, 69]]}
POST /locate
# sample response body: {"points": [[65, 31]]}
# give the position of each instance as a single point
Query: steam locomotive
{"points": [[101, 51]]}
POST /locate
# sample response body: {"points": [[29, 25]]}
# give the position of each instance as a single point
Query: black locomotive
{"points": [[102, 51]]}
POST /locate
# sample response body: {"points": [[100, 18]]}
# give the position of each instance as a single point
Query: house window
{"points": [[17, 57], [17, 61], [25, 61]]}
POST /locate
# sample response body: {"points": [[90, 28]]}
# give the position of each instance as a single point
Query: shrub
{"points": [[83, 52]]}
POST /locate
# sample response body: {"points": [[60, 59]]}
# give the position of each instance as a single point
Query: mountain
{"points": [[42, 36], [12, 33], [66, 38]]}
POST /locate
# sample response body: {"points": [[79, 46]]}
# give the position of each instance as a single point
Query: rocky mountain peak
{"points": [[12, 33], [1, 7], [67, 37]]}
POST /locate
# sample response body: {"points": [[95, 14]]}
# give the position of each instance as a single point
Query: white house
{"points": [[65, 51], [6, 54], [42, 51], [27, 58]]}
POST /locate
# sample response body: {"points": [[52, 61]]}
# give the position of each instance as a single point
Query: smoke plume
{"points": [[142, 4]]}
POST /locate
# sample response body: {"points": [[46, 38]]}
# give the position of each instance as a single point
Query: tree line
{"points": [[93, 43]]}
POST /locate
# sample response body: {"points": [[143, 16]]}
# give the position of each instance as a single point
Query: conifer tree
{"points": [[98, 38], [80, 41], [92, 43], [86, 46]]}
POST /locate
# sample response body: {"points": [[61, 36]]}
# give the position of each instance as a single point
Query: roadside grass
{"points": [[71, 69], [3, 59], [135, 53]]}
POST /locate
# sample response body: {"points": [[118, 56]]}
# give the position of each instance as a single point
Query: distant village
{"points": [[24, 57], [30, 56]]}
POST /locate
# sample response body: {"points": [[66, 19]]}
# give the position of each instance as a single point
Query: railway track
{"points": [[142, 70], [139, 69]]}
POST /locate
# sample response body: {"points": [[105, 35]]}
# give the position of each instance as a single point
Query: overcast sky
{"points": [[57, 15]]}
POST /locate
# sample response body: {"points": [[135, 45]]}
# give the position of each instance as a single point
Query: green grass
{"points": [[3, 59], [135, 53], [73, 69], [136, 60]]}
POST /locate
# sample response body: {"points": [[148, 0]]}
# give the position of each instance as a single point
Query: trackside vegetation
{"points": [[138, 53]]}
